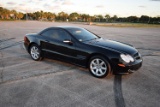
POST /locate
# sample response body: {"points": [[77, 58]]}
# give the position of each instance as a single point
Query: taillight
{"points": [[26, 39]]}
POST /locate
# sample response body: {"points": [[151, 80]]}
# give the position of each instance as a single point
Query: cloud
{"points": [[24, 9], [46, 5], [66, 2], [99, 6], [142, 6], [11, 3], [51, 7], [1, 5], [154, 0], [35, 1], [58, 0], [29, 1], [54, 8], [22, 5]]}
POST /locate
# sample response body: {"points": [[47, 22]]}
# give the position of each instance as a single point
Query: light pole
{"points": [[148, 20], [26, 15]]}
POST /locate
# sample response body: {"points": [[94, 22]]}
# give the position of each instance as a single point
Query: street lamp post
{"points": [[148, 20]]}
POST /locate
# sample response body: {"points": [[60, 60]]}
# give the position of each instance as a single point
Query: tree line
{"points": [[6, 14]]}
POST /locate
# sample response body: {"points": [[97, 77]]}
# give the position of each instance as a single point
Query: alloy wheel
{"points": [[98, 67], [35, 54]]}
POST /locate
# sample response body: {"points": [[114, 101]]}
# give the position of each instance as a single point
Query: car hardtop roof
{"points": [[65, 27], [68, 27]]}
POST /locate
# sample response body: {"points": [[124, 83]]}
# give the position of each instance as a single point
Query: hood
{"points": [[124, 48]]}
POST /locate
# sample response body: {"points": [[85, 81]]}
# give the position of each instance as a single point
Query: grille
{"points": [[137, 56]]}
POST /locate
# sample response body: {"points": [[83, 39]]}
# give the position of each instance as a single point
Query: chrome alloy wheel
{"points": [[98, 67], [35, 52]]}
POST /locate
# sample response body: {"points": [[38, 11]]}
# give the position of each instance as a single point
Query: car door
{"points": [[59, 44], [65, 46], [46, 41]]}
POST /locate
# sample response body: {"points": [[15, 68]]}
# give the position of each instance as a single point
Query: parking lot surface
{"points": [[52, 83]]}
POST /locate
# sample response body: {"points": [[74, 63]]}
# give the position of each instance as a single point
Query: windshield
{"points": [[82, 34]]}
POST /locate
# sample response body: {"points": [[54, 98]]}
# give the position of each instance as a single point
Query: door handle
{"points": [[46, 41]]}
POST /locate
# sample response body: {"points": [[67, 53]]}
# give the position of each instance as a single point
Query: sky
{"points": [[121, 8]]}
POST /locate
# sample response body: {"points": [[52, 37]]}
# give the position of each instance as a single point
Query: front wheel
{"points": [[35, 52], [99, 66]]}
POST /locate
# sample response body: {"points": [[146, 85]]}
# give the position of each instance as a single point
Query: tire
{"points": [[99, 66], [35, 52]]}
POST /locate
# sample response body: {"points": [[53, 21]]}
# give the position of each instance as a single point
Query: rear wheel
{"points": [[35, 52], [99, 66]]}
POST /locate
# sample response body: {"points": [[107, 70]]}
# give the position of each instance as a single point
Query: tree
{"points": [[93, 18], [50, 16], [45, 15], [107, 16], [41, 13], [74, 16], [37, 15], [144, 19], [1, 9], [99, 17], [62, 16], [5, 13], [115, 17], [20, 15], [122, 19], [85, 17], [132, 19], [14, 14]]}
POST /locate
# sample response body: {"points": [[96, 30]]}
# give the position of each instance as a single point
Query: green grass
{"points": [[137, 25]]}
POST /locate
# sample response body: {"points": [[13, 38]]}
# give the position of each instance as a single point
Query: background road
{"points": [[51, 83]]}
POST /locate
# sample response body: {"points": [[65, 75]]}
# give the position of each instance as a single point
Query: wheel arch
{"points": [[32, 43], [99, 54]]}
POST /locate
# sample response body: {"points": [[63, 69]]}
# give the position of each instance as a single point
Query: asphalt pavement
{"points": [[52, 83]]}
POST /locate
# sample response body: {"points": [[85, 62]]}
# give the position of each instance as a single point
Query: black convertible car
{"points": [[81, 47]]}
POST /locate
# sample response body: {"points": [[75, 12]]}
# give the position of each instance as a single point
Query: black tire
{"points": [[99, 66], [35, 52]]}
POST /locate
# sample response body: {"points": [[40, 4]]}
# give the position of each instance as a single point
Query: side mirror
{"points": [[67, 42]]}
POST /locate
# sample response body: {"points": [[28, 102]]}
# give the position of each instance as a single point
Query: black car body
{"points": [[81, 47]]}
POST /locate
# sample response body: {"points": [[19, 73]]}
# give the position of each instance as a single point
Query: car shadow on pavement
{"points": [[118, 94]]}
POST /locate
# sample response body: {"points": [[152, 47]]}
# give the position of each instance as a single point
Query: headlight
{"points": [[127, 58]]}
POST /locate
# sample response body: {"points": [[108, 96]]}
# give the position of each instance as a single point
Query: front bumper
{"points": [[25, 46], [128, 68]]}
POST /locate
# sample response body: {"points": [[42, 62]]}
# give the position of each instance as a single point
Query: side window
{"points": [[63, 35], [57, 34], [47, 33]]}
